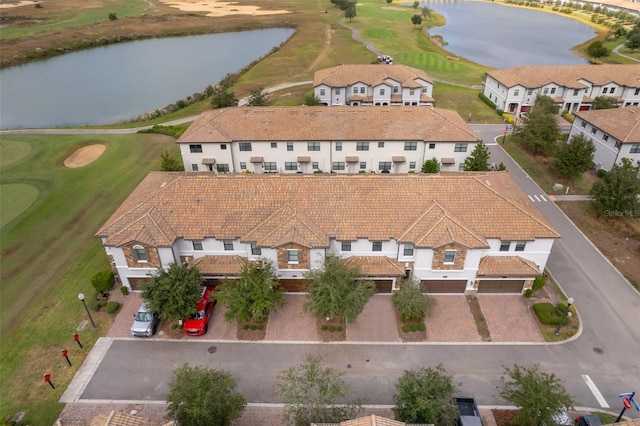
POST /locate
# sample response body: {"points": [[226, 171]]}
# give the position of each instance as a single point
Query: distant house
{"points": [[453, 233], [377, 85], [572, 87], [371, 420], [319, 139], [615, 133]]}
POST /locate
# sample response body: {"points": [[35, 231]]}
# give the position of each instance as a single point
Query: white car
{"points": [[144, 322]]}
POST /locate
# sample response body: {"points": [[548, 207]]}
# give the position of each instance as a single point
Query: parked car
{"points": [[469, 413], [144, 322], [588, 421], [198, 323]]}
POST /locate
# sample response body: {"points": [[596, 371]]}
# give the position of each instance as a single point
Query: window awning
{"points": [[208, 161], [448, 160], [353, 159], [398, 159], [257, 160], [304, 159]]}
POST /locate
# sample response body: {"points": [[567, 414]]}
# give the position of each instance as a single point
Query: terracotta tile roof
{"points": [[304, 159], [491, 266], [398, 159], [219, 265], [374, 266], [569, 75], [621, 123], [328, 123], [448, 160], [311, 209], [120, 419], [371, 420], [352, 159], [369, 74]]}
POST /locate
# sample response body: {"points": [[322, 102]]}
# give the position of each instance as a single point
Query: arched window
{"points": [[140, 254]]}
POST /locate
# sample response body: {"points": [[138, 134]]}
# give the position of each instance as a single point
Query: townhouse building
{"points": [[615, 133], [373, 84], [572, 87], [320, 139], [452, 232]]}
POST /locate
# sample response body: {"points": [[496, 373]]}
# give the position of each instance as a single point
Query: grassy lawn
{"points": [[49, 252]]}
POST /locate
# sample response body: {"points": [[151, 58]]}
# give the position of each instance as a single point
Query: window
{"points": [[322, 92], [243, 165], [593, 130], [380, 144], [274, 144], [291, 165], [516, 92], [197, 244], [292, 256], [337, 91], [363, 165], [354, 90], [432, 146], [605, 137], [412, 165], [289, 146], [396, 89], [576, 92], [637, 92], [461, 167], [583, 124], [530, 92], [382, 92], [222, 168], [338, 165], [270, 166], [346, 246], [635, 149], [520, 245], [412, 91], [504, 245], [223, 146], [313, 146], [194, 167], [553, 90], [338, 146], [140, 253], [255, 250], [618, 145], [195, 148], [245, 146], [605, 90], [314, 165], [449, 256], [545, 91], [384, 165], [228, 245], [376, 246], [460, 147], [408, 249], [362, 90], [362, 146], [411, 146]]}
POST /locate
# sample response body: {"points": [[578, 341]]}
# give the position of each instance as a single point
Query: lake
{"points": [[503, 36], [121, 81]]}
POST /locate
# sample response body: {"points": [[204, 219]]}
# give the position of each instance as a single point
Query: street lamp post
{"points": [[81, 297], [565, 314]]}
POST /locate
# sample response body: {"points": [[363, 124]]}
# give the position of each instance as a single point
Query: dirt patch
{"points": [[503, 417], [410, 336], [85, 155], [20, 3], [333, 330], [221, 8], [479, 319], [170, 330], [252, 330]]}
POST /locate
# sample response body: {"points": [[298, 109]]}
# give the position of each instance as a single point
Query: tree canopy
{"points": [[540, 130], [103, 280], [170, 163], [350, 11], [425, 395], [616, 194], [409, 301], [633, 41], [254, 295], [605, 102], [597, 49], [539, 395], [258, 97], [416, 19], [174, 292], [431, 166], [575, 157], [313, 393], [335, 290], [221, 97], [204, 397], [478, 160]]}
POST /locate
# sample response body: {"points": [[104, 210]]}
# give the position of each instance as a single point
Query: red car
{"points": [[198, 323]]}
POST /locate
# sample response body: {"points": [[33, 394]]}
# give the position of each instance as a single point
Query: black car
{"points": [[469, 413]]}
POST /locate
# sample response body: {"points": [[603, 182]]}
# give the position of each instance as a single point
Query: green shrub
{"points": [[174, 326], [486, 100], [103, 281], [410, 303], [92, 303], [101, 303], [499, 112], [317, 171], [508, 117], [413, 327], [111, 307], [549, 314], [602, 173], [245, 327], [260, 326], [339, 329], [113, 16], [568, 116], [421, 327], [253, 327], [124, 290], [406, 328], [325, 327], [539, 283], [528, 293], [332, 328]]}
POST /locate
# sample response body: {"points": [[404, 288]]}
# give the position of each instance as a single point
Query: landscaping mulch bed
{"points": [[503, 417], [170, 330], [479, 319], [411, 336], [252, 330], [324, 327]]}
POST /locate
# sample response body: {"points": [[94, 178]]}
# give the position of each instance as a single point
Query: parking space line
{"points": [[595, 391]]}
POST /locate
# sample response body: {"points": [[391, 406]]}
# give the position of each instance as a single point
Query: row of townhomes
{"points": [[371, 84], [572, 87], [453, 232], [340, 139], [615, 133]]}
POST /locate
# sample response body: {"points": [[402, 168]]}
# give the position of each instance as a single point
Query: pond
{"points": [[119, 82], [502, 36]]}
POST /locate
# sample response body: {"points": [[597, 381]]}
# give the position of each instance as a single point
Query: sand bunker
{"points": [[85, 155], [220, 8], [20, 3]]}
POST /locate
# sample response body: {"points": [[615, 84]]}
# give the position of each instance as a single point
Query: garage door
{"points": [[443, 286], [383, 286], [138, 283], [293, 285], [500, 286], [212, 282]]}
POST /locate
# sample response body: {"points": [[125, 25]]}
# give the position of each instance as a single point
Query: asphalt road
{"points": [[607, 351]]}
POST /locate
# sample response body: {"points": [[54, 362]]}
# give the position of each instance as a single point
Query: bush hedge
{"points": [[486, 100], [508, 117], [111, 307], [528, 293], [124, 290], [539, 283], [549, 314]]}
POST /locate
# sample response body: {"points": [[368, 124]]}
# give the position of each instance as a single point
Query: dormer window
{"points": [[140, 254]]}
